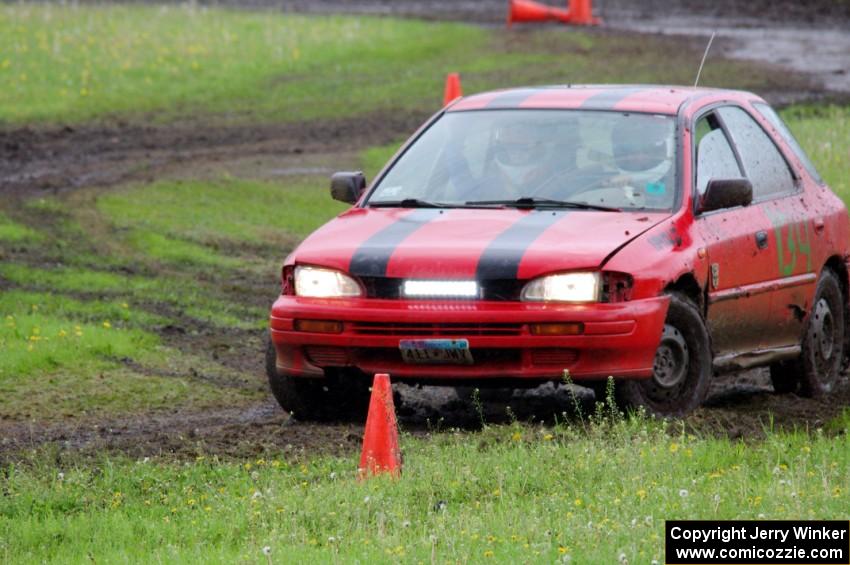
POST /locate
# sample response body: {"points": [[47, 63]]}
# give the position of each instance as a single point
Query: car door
{"points": [[737, 246], [776, 192]]}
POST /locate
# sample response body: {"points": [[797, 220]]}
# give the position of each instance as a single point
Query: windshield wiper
{"points": [[408, 203], [536, 202], [417, 203]]}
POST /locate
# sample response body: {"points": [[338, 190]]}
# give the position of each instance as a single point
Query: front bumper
{"points": [[618, 339]]}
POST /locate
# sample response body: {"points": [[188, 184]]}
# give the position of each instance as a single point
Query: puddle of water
{"points": [[819, 52]]}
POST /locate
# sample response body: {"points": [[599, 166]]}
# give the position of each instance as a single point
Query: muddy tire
{"points": [[599, 388], [340, 396], [682, 368], [785, 377], [819, 365]]}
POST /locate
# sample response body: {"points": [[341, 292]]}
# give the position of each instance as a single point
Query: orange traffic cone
{"points": [[581, 13], [381, 453], [453, 90], [529, 11]]}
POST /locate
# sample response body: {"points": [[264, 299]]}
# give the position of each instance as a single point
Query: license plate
{"points": [[445, 351]]}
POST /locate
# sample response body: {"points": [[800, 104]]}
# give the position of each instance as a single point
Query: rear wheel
{"points": [[341, 395], [682, 366], [819, 365]]}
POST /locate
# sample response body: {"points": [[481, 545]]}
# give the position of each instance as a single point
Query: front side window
{"points": [[715, 158], [762, 161], [612, 159]]}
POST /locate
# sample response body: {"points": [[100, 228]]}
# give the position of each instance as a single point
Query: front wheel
{"points": [[819, 365], [682, 367], [341, 395]]}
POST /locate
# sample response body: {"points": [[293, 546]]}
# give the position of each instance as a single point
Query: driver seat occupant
{"points": [[643, 153]]}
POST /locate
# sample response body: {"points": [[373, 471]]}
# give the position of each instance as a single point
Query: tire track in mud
{"points": [[54, 160], [741, 406]]}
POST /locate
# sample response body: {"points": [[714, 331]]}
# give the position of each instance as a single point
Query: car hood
{"points": [[501, 243]]}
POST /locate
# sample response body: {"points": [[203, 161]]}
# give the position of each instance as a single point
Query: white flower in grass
{"points": [[257, 494], [622, 559], [267, 550], [683, 492], [60, 477]]}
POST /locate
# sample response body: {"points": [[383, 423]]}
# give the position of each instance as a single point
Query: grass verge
{"points": [[514, 494]]}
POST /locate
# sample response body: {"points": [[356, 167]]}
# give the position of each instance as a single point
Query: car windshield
{"points": [[536, 158]]}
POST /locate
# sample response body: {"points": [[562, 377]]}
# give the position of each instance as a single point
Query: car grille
{"points": [[327, 356], [561, 357], [380, 328]]}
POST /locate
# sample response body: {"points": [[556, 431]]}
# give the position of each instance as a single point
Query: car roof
{"points": [[656, 99]]}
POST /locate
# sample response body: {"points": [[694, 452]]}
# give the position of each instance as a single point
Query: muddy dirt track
{"points": [[38, 162], [741, 406]]}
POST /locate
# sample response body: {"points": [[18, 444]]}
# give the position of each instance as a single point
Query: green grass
{"points": [[65, 357], [14, 232], [231, 210], [514, 494], [80, 62], [193, 300], [177, 251], [71, 279], [53, 361], [37, 343], [17, 302]]}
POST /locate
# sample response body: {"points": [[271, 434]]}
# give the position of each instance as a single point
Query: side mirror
{"points": [[348, 186], [726, 193]]}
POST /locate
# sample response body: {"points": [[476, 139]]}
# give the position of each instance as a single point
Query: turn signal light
{"points": [[318, 326], [569, 328]]}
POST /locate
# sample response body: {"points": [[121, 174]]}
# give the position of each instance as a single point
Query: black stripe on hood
{"points": [[373, 256], [501, 259]]}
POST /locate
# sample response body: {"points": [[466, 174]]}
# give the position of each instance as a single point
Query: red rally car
{"points": [[655, 234]]}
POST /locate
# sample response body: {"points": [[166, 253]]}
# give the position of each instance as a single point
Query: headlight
{"points": [[324, 283], [568, 287]]}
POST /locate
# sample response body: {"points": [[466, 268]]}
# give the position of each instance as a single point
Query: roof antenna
{"points": [[704, 56]]}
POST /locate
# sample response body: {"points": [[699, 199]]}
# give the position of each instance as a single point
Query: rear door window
{"points": [[789, 138], [763, 164]]}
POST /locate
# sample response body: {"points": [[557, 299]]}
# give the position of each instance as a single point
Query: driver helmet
{"points": [[519, 147], [642, 144]]}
